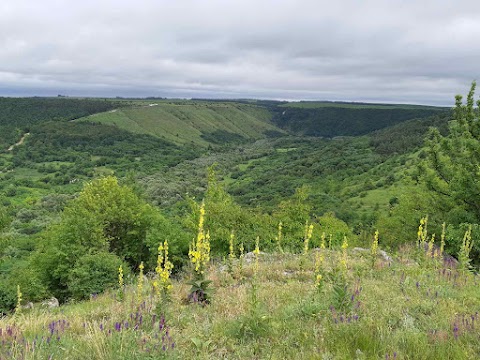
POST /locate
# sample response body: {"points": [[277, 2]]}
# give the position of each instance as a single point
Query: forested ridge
{"points": [[17, 115]]}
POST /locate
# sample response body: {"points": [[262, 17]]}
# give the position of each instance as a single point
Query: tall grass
{"points": [[270, 306]]}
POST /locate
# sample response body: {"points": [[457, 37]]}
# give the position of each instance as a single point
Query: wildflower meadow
{"points": [[321, 303]]}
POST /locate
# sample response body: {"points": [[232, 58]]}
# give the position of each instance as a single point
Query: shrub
{"points": [[94, 274]]}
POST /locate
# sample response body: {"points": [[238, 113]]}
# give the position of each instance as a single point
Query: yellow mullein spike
{"points": [[140, 283], [231, 246], [256, 252], [318, 281], [374, 248], [120, 277], [279, 236], [343, 261], [199, 252], [430, 247], [322, 242]]}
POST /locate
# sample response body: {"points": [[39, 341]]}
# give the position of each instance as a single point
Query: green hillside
{"points": [[324, 119], [201, 123], [17, 115]]}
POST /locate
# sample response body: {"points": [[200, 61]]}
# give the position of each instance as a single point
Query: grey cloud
{"points": [[372, 50]]}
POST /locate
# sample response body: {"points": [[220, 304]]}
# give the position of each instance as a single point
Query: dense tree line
{"points": [[17, 115], [343, 121], [408, 135]]}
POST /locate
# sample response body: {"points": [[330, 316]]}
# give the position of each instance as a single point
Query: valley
{"points": [[101, 184]]}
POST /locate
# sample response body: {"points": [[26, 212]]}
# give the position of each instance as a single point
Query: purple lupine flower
{"points": [[455, 331]]}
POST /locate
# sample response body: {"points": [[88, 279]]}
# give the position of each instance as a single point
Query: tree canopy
{"points": [[453, 165]]}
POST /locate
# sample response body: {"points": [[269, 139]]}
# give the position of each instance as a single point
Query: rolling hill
{"points": [[198, 122]]}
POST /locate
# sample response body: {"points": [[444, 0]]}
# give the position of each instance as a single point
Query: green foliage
{"points": [[93, 274], [293, 213], [200, 291], [465, 249], [331, 121], [399, 225], [83, 146], [17, 115], [222, 215], [453, 160], [105, 218], [7, 297], [4, 218], [452, 166], [338, 229], [409, 135], [20, 273], [124, 218]]}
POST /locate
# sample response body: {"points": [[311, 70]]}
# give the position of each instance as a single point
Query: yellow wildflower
{"points": [[163, 270], [120, 277], [199, 252], [140, 283], [343, 260], [232, 250]]}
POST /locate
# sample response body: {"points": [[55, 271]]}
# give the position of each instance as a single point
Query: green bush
{"points": [[8, 297], [93, 274], [331, 225]]}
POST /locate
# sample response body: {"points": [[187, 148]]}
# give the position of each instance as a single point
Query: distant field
{"points": [[323, 104], [183, 122]]}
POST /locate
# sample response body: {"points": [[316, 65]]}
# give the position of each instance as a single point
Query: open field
{"points": [[200, 123], [394, 309]]}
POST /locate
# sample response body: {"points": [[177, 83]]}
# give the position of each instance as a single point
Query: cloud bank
{"points": [[381, 51]]}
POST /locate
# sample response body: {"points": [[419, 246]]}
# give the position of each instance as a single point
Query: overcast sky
{"points": [[413, 51]]}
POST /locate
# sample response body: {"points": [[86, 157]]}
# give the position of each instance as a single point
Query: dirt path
{"points": [[20, 142]]}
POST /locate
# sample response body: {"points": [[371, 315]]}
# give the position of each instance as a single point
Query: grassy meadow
{"points": [[269, 306], [200, 123]]}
